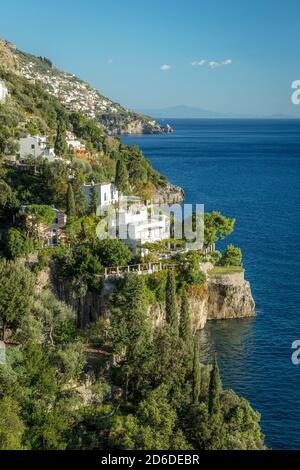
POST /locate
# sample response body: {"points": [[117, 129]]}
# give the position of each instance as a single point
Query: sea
{"points": [[249, 169]]}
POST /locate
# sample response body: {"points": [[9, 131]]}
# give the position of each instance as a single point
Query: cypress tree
{"points": [[93, 205], [215, 389], [121, 179], [80, 199], [60, 145], [196, 374], [185, 328], [71, 207], [171, 304]]}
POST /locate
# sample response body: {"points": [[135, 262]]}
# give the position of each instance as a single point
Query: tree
{"points": [[71, 207], [5, 193], [60, 144], [232, 256], [215, 389], [196, 374], [11, 425], [131, 331], [80, 199], [193, 274], [216, 227], [113, 252], [18, 244], [170, 359], [16, 289], [153, 426], [241, 423], [121, 180], [171, 302], [51, 313], [41, 214], [94, 200], [185, 327]]}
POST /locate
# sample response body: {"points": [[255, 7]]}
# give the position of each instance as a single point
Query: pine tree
{"points": [[121, 179], [60, 145], [171, 304], [185, 328], [196, 374], [93, 205], [215, 389], [71, 207]]}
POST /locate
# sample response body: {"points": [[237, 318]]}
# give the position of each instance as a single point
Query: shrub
{"points": [[232, 256], [156, 282]]}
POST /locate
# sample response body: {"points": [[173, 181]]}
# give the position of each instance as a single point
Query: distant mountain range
{"points": [[189, 112]]}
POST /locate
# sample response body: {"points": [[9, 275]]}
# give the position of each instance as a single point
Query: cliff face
{"points": [[224, 297], [230, 296], [170, 194]]}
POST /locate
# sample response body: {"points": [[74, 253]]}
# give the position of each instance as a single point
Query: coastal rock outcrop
{"points": [[169, 194], [230, 296], [224, 297]]}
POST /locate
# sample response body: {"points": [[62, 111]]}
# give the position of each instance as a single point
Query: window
{"points": [[32, 146], [105, 197]]}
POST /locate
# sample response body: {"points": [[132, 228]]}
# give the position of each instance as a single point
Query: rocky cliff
{"points": [[169, 194], [230, 296], [223, 297]]}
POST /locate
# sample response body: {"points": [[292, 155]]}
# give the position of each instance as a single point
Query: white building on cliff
{"points": [[138, 222]]}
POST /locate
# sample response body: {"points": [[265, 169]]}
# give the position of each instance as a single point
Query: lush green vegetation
{"points": [[117, 383], [232, 256], [154, 394]]}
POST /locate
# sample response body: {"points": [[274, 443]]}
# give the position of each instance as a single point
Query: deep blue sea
{"points": [[250, 170]]}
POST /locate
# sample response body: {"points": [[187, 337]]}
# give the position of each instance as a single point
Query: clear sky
{"points": [[140, 53]]}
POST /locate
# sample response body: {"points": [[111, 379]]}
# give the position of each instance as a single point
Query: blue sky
{"points": [[119, 47]]}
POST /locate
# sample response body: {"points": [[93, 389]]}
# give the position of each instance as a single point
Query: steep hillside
{"points": [[28, 108], [75, 94]]}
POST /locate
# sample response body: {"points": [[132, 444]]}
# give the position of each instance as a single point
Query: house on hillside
{"points": [[35, 147], [107, 193], [51, 235], [134, 221], [137, 223]]}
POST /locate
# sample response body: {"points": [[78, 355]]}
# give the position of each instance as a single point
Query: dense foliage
{"points": [[117, 384]]}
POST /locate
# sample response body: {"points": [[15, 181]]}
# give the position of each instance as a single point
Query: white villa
{"points": [[137, 223], [3, 91], [35, 146], [107, 193]]}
